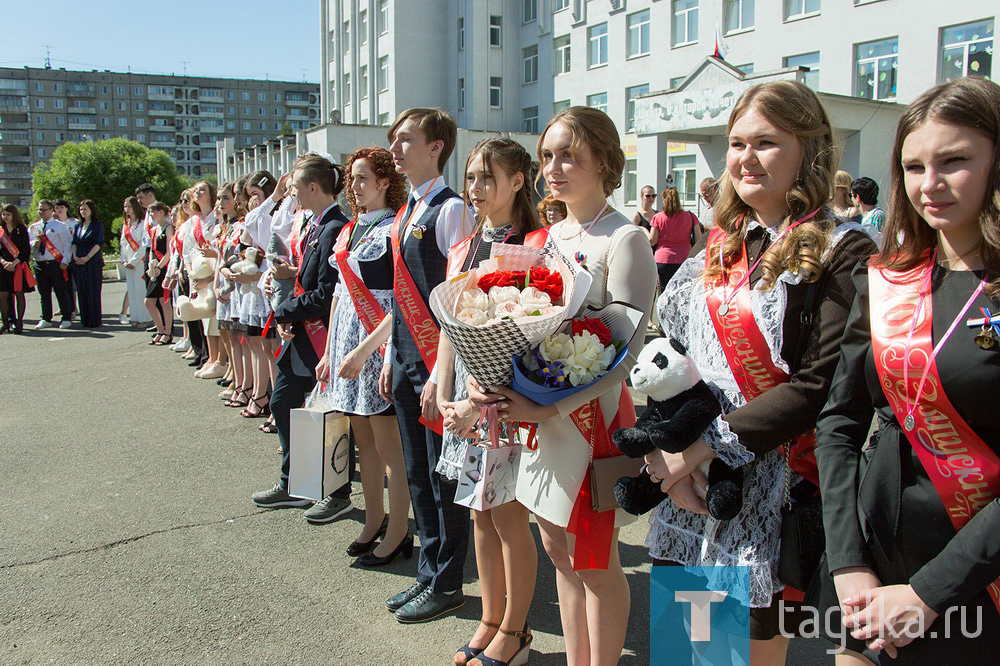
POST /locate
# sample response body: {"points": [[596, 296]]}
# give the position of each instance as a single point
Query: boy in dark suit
{"points": [[317, 181]]}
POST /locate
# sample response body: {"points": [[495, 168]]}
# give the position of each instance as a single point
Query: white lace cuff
{"points": [[726, 445]]}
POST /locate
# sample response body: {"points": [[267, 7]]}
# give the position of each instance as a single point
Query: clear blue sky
{"points": [[250, 39]]}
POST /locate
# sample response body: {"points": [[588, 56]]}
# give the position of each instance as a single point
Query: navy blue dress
{"points": [[88, 275]]}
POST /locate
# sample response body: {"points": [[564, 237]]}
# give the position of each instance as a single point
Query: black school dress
{"points": [[88, 276], [8, 283], [154, 288], [881, 509]]}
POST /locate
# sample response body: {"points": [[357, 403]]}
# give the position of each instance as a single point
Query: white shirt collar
{"points": [[424, 190]]}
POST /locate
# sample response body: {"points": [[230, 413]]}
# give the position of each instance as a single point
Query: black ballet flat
{"points": [[358, 548]]}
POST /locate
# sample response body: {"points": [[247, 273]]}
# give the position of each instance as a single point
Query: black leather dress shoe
{"points": [[404, 597], [429, 605]]}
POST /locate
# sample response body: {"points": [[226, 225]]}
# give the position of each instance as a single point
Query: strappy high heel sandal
{"points": [[234, 400], [467, 653], [164, 341], [268, 427], [247, 414], [519, 658]]}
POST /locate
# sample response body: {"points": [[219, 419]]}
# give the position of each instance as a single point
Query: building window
{"points": [[598, 101], [637, 42], [683, 171], [559, 5], [746, 69], [38, 86], [676, 82], [530, 56], [41, 152], [363, 26], [345, 38], [597, 39], [39, 136], [261, 97], [800, 8], [631, 181], [461, 94], [58, 103], [39, 120], [630, 95], [104, 122], [277, 97], [810, 60], [363, 82], [138, 90], [738, 15], [277, 112], [139, 106], [529, 119], [261, 111], [60, 120], [461, 33], [246, 110], [104, 106], [246, 127], [246, 96], [347, 88], [496, 92], [121, 106], [103, 90], [39, 103], [496, 30], [529, 10], [123, 122], [105, 136], [140, 122], [230, 94], [966, 50], [382, 17], [262, 126], [119, 90], [231, 124], [140, 138], [685, 22], [561, 105], [875, 69], [561, 54], [383, 119], [57, 87], [382, 77], [60, 136]]}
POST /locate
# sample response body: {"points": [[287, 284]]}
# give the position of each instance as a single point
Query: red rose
{"points": [[548, 281], [594, 327]]}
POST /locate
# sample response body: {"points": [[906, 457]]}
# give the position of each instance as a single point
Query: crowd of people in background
{"points": [[283, 282]]}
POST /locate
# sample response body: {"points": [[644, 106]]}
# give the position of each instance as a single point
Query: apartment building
{"points": [[508, 65], [40, 109]]}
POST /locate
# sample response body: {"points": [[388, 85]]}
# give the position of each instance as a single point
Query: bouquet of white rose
{"points": [[514, 299]]}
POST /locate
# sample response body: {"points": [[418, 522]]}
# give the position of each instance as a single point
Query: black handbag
{"points": [[802, 538]]}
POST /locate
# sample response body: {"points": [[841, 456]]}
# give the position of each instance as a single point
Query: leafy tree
{"points": [[286, 129], [212, 178], [106, 171]]}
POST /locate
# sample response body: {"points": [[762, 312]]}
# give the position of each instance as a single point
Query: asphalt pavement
{"points": [[127, 533]]}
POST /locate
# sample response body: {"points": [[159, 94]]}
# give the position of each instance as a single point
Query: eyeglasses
{"points": [[649, 196]]}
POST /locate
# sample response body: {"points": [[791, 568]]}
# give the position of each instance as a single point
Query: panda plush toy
{"points": [[680, 408]]}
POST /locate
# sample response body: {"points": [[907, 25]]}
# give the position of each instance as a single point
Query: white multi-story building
{"points": [[508, 65]]}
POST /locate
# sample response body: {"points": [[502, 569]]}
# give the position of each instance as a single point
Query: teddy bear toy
{"points": [[248, 265], [680, 408], [202, 306]]}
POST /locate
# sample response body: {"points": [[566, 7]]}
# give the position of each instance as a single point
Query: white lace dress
{"points": [[744, 550], [359, 396], [255, 308]]}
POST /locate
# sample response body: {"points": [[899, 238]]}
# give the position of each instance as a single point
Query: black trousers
{"points": [[88, 284], [289, 392], [442, 525], [50, 278]]}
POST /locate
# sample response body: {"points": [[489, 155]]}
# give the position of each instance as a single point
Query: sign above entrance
{"points": [[704, 100]]}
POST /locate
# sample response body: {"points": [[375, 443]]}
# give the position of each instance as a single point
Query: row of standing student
{"points": [[68, 262], [804, 268]]}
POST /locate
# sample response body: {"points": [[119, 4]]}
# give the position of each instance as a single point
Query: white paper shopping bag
{"points": [[319, 441], [489, 471]]}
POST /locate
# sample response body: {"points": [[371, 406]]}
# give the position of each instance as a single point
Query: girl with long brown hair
{"points": [[913, 520], [498, 187], [15, 275], [776, 273], [133, 245]]}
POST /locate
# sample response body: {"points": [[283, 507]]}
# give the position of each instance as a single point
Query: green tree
{"points": [[189, 181], [286, 129], [106, 171]]}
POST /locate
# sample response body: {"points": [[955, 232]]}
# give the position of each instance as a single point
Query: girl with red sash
{"points": [[161, 242], [353, 358], [15, 274], [760, 306], [497, 185], [133, 243], [174, 284], [582, 163], [230, 212], [912, 519]]}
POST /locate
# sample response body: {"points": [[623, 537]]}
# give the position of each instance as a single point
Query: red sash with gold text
{"points": [[56, 254], [593, 530], [127, 233], [965, 471], [315, 328], [8, 243], [22, 275], [366, 305], [746, 350], [199, 234], [415, 312]]}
